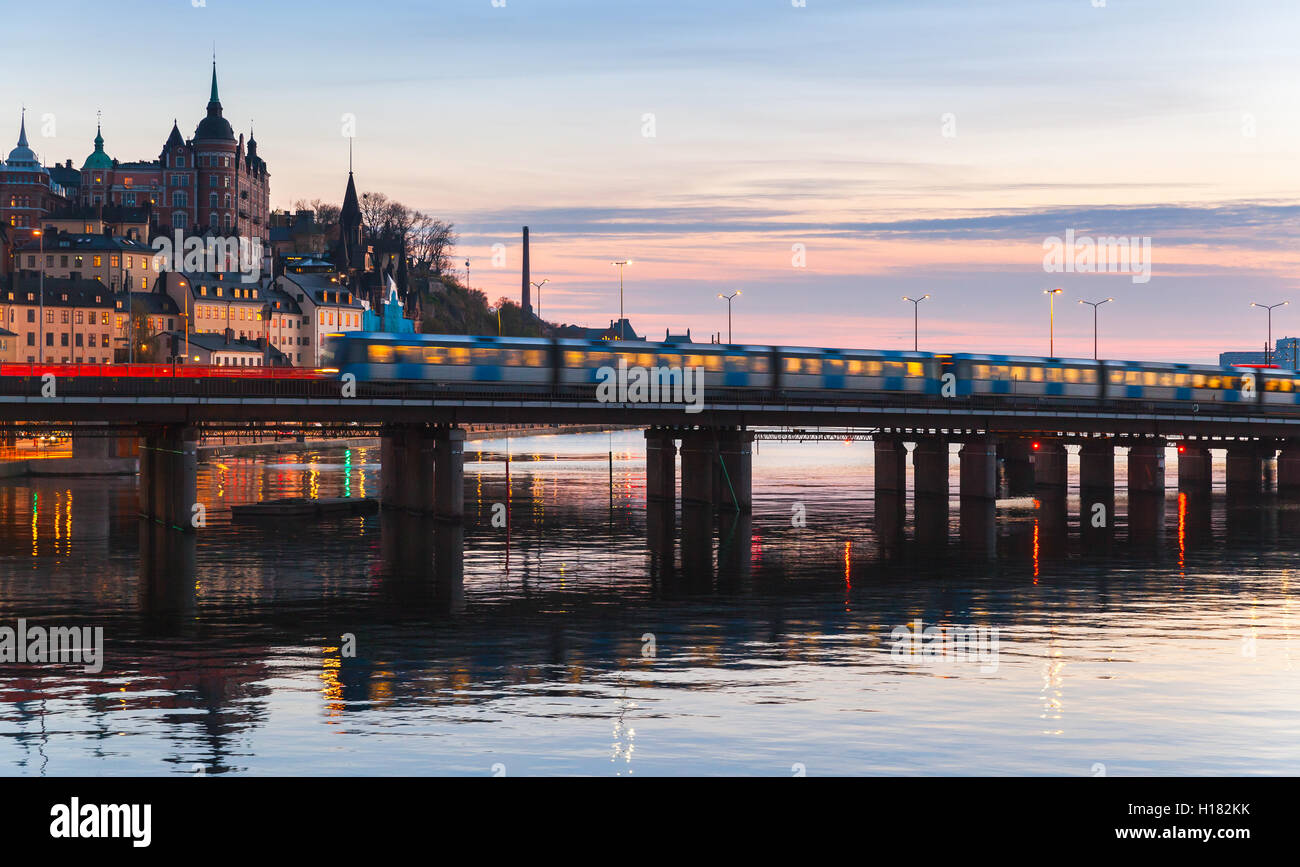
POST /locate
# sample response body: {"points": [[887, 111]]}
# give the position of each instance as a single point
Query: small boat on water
{"points": [[303, 507]]}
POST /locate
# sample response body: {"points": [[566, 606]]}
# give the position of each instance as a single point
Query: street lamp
{"points": [[916, 318], [1051, 322], [466, 273], [728, 298], [497, 311], [1268, 347], [1095, 305], [620, 265], [538, 287], [40, 340]]}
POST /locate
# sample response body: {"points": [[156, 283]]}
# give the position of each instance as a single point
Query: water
{"points": [[567, 643]]}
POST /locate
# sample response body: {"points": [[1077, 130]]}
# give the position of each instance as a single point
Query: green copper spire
{"points": [[214, 98]]}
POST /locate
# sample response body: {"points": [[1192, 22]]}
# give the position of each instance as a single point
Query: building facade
{"points": [[213, 182], [120, 264], [78, 326]]}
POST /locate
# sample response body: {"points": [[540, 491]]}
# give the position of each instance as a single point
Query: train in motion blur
{"points": [[541, 365]]}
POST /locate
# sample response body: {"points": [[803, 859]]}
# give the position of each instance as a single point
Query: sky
{"points": [[824, 157]]}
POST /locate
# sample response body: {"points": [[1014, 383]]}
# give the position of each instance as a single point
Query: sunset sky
{"points": [[910, 146]]}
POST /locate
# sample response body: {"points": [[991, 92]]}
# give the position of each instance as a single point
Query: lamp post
{"points": [[1051, 322], [538, 287], [40, 340], [497, 311], [1268, 347], [916, 318], [621, 265], [1095, 305], [466, 273], [728, 298]]}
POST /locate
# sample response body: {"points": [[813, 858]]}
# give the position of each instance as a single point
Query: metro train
{"points": [[548, 365]]}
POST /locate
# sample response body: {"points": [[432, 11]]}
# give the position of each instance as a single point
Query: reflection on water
{"points": [[588, 635]]}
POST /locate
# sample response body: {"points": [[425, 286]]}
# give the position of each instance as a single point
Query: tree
{"points": [[431, 243]]}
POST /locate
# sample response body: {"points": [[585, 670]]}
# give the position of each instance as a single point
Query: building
{"points": [[327, 306], [211, 183], [121, 264], [118, 220], [27, 192], [390, 317], [288, 330], [217, 303], [616, 328], [8, 345], [1286, 353], [170, 347], [78, 327]]}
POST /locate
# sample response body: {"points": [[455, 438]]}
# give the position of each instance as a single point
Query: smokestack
{"points": [[528, 286]]}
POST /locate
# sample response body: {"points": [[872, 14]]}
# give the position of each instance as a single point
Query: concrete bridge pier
{"points": [[891, 466], [1195, 469], [1051, 469], [1288, 468], [1017, 466], [979, 470], [1146, 468], [1097, 490], [660, 466], [1245, 468], [733, 491], [930, 470], [697, 468], [168, 481], [422, 470]]}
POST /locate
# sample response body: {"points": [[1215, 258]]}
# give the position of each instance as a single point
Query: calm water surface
{"points": [[589, 637]]}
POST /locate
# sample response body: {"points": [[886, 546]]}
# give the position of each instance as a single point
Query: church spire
{"points": [[22, 130], [214, 99]]}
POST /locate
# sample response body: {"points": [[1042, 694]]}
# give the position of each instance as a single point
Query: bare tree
{"points": [[432, 242]]}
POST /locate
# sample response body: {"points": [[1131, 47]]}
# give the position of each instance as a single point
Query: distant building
{"points": [[79, 326], [616, 328], [669, 337], [221, 350], [327, 305], [120, 264], [8, 345], [1286, 353], [389, 318]]}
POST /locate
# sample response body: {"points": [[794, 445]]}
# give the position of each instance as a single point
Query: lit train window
{"points": [[836, 365], [758, 364], [1090, 376], [1166, 380], [409, 355], [1278, 385], [914, 368], [1017, 372], [855, 368], [666, 360], [1182, 380], [378, 354], [457, 355], [1054, 374], [1133, 377], [434, 355], [981, 371], [1198, 380], [793, 365], [512, 357], [1035, 374], [534, 357], [1072, 374], [1117, 377], [645, 359], [1149, 377], [575, 359], [875, 368], [599, 359]]}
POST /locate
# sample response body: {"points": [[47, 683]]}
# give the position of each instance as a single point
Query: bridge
{"points": [[421, 426]]}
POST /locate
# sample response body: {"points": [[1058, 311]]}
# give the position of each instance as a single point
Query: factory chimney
{"points": [[528, 286]]}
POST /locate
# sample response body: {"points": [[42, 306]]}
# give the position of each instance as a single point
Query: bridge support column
{"points": [[979, 470], [1017, 466], [891, 466], [169, 475], [660, 466], [1097, 466], [1195, 468], [930, 469], [422, 470], [1245, 467], [1288, 467], [697, 467], [449, 473], [1146, 468], [1051, 469], [736, 471]]}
